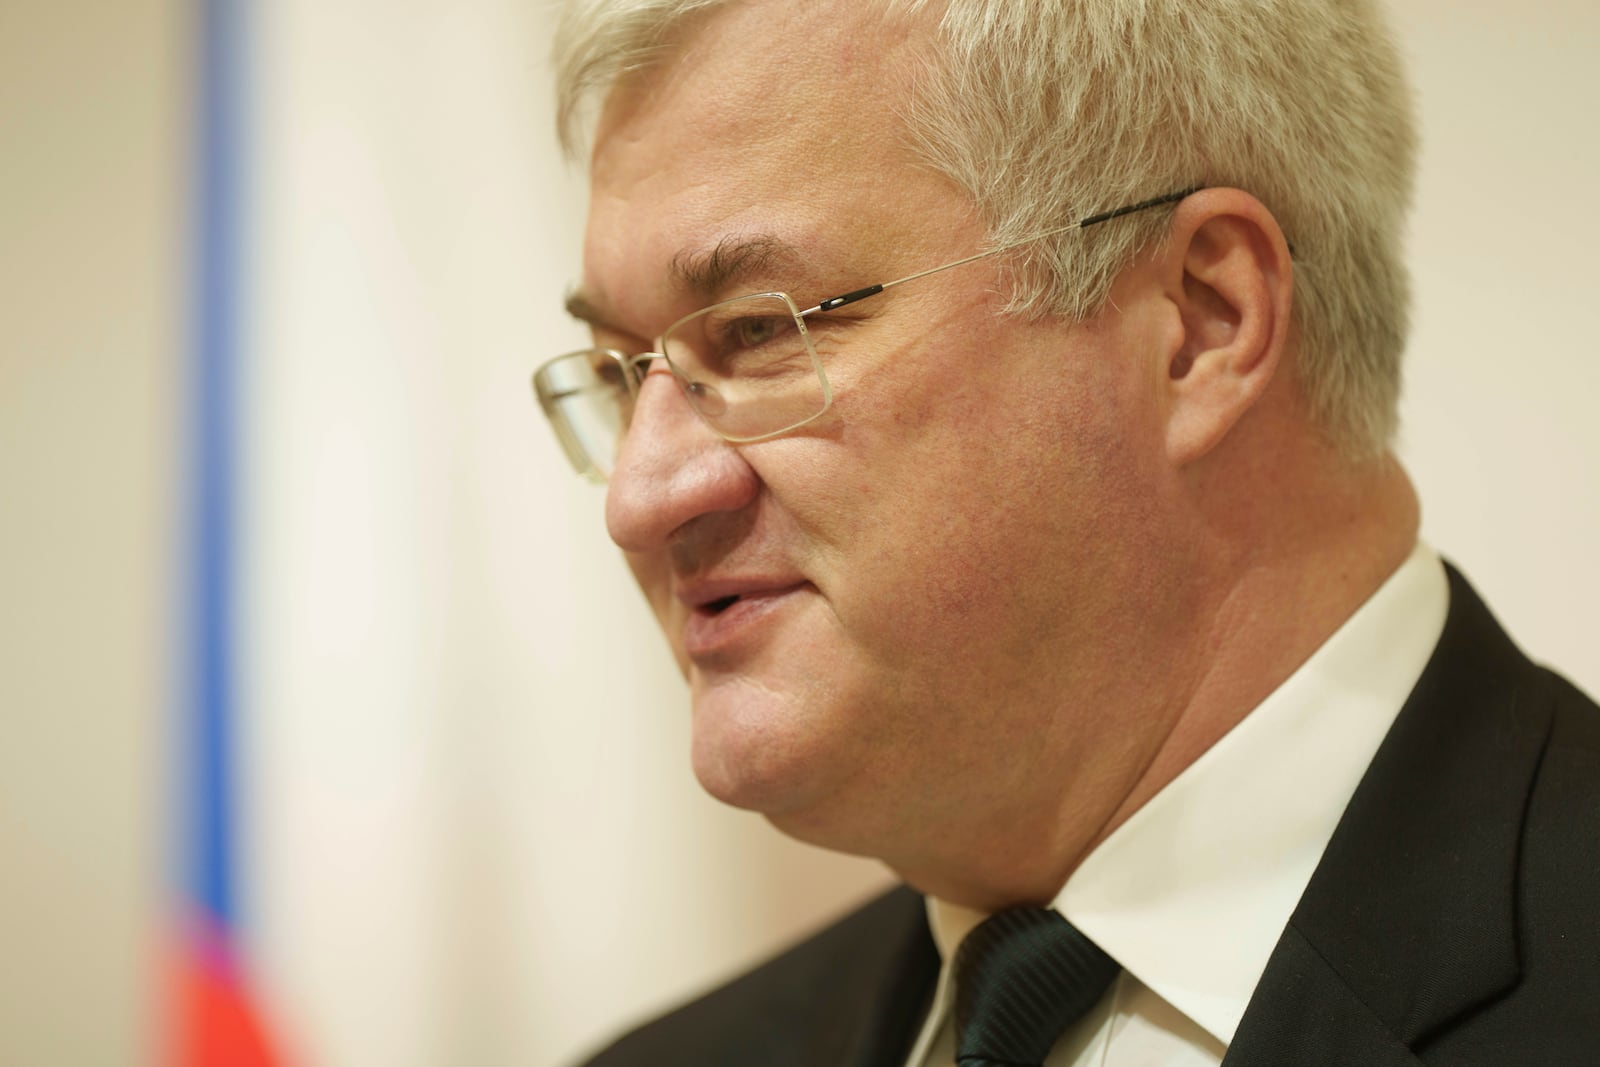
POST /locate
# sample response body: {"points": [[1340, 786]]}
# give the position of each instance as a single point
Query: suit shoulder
{"points": [[1551, 1011], [1563, 819], [824, 993], [1577, 717]]}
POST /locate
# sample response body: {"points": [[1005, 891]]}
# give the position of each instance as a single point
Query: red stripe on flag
{"points": [[217, 1025]]}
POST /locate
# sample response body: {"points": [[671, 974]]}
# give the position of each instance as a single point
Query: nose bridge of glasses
{"points": [[641, 361], [692, 390], [687, 388]]}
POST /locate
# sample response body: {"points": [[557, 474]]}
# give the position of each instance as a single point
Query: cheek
{"points": [[988, 484], [1011, 412]]}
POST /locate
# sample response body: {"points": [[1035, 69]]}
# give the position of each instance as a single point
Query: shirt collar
{"points": [[1191, 894]]}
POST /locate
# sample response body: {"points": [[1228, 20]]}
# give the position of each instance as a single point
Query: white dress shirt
{"points": [[1191, 894]]}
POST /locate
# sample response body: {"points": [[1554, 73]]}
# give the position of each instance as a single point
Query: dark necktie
{"points": [[1022, 977]]}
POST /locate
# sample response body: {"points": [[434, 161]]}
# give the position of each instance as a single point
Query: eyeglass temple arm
{"points": [[1143, 205], [1105, 216]]}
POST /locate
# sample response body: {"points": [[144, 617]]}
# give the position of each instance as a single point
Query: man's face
{"points": [[937, 581]]}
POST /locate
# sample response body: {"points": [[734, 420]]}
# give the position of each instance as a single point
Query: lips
{"points": [[715, 595], [728, 617]]}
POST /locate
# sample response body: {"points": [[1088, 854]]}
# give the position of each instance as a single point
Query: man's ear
{"points": [[1227, 271]]}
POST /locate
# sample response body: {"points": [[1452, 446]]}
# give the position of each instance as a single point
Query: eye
{"points": [[741, 336], [755, 331]]}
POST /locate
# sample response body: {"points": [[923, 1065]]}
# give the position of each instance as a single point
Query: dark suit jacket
{"points": [[1453, 919]]}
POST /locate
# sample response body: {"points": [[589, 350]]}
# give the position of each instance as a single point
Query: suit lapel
{"points": [[1408, 922], [862, 1005], [882, 1023], [1303, 1013]]}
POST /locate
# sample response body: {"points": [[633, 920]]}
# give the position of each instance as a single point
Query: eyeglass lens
{"points": [[587, 399], [747, 366]]}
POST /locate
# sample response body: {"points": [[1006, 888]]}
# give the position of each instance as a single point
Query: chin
{"points": [[815, 788], [753, 751], [752, 768]]}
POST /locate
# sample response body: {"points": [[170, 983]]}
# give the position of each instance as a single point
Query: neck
{"points": [[1283, 594], [1269, 580]]}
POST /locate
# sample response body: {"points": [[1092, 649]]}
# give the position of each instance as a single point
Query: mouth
{"points": [[731, 625]]}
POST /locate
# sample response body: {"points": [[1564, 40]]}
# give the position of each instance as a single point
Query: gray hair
{"points": [[1044, 111]]}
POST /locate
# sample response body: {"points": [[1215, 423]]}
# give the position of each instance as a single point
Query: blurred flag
{"points": [[217, 1024]]}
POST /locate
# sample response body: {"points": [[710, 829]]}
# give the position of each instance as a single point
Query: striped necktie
{"points": [[1023, 976]]}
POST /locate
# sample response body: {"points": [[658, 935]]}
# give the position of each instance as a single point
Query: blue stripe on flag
{"points": [[214, 295]]}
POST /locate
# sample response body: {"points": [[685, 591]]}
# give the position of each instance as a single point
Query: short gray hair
{"points": [[1044, 111]]}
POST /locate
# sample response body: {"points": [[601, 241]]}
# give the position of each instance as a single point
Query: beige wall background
{"points": [[91, 196], [474, 835], [1498, 430]]}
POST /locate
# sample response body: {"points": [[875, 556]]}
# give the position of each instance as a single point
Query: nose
{"points": [[671, 469]]}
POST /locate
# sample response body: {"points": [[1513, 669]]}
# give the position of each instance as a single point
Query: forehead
{"points": [[760, 121], [745, 71]]}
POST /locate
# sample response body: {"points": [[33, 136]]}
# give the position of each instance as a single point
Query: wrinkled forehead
{"points": [[743, 60], [759, 120]]}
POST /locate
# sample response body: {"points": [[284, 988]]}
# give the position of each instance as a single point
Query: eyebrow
{"points": [[585, 310], [735, 258]]}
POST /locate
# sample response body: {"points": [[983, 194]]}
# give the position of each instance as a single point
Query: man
{"points": [[995, 400]]}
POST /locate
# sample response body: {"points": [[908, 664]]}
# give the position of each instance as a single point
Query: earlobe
{"points": [[1228, 275]]}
